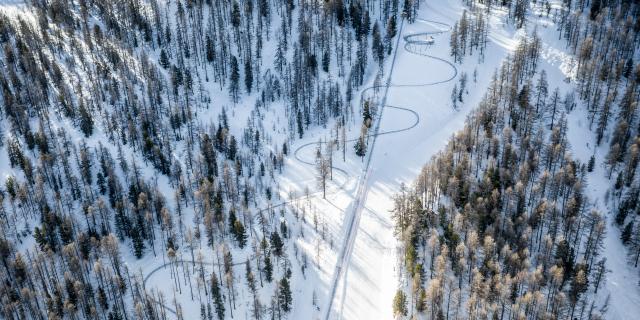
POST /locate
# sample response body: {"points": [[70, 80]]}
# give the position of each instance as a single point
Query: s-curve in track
{"points": [[415, 43]]}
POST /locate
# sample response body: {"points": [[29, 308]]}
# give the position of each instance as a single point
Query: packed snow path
{"points": [[415, 43], [177, 263]]}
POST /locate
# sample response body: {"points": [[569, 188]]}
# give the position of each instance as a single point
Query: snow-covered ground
{"points": [[369, 278], [622, 279]]}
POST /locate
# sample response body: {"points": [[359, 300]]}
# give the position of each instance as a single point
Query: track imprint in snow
{"points": [[415, 43]]}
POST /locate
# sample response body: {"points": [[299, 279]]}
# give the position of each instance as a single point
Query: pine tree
{"points": [[235, 15], [164, 59], [326, 60], [591, 164], [217, 296], [391, 33], [300, 125], [360, 147], [234, 78], [285, 297], [233, 149], [453, 43], [138, 242], [377, 47], [240, 233], [454, 97], [625, 236], [268, 268], [400, 304], [86, 121], [248, 75], [366, 114], [211, 53], [276, 244]]}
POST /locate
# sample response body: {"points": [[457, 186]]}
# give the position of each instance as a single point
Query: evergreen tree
{"points": [[268, 268], [400, 304], [625, 236], [234, 78], [217, 296], [138, 242], [248, 75], [377, 47], [86, 121], [285, 297], [276, 244], [164, 59], [299, 123], [366, 114], [211, 53], [240, 233], [391, 33], [360, 147]]}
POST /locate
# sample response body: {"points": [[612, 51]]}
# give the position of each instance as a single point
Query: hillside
{"points": [[338, 159]]}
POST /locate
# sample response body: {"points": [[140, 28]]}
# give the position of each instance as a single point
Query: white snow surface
{"points": [[369, 275], [622, 283]]}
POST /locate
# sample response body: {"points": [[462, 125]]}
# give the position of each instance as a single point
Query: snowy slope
{"points": [[622, 280], [366, 288]]}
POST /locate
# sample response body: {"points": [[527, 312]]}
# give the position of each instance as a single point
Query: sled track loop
{"points": [[415, 43]]}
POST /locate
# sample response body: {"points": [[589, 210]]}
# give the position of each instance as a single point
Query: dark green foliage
{"points": [[234, 79], [285, 297], [164, 59], [276, 244], [377, 47], [367, 118], [268, 268], [248, 75], [565, 257], [86, 121], [299, 123], [592, 162], [240, 233], [391, 32], [217, 296], [233, 148], [360, 147], [138, 242], [400, 304], [625, 236]]}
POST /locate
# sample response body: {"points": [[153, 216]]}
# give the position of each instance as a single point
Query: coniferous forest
{"points": [[498, 224], [223, 159]]}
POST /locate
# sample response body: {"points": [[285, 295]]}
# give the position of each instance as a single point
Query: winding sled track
{"points": [[415, 43]]}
